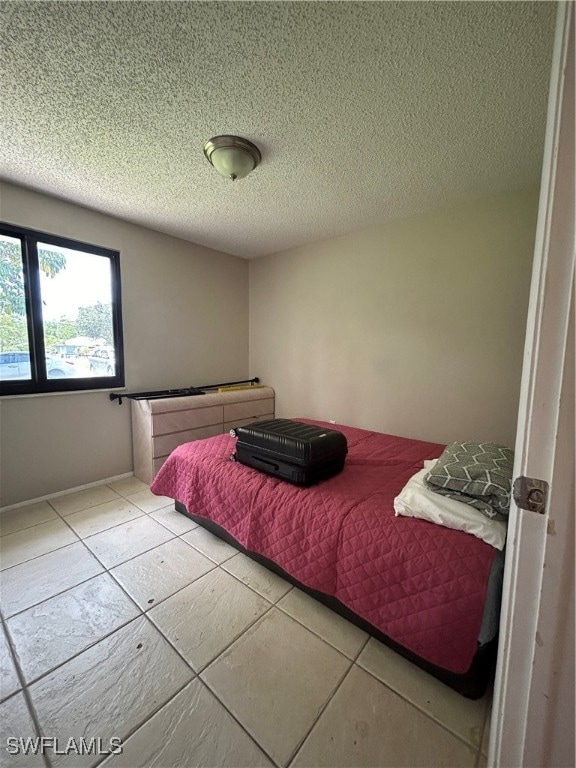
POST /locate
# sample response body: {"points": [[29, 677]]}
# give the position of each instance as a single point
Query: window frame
{"points": [[39, 383]]}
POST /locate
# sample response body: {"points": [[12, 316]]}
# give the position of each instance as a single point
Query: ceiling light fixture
{"points": [[232, 156]]}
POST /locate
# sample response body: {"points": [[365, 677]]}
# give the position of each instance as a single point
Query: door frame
{"points": [[527, 681]]}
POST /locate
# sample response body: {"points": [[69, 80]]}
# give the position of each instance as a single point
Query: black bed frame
{"points": [[471, 684]]}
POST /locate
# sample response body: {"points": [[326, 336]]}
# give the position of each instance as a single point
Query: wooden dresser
{"points": [[159, 426]]}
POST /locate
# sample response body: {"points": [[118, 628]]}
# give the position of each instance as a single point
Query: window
{"points": [[60, 314]]}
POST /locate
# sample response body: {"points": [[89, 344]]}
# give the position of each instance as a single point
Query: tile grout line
{"points": [[236, 720], [151, 607], [63, 590], [92, 506], [80, 541], [196, 676], [253, 737], [29, 559], [275, 603], [102, 484], [109, 634], [364, 644], [328, 642], [181, 536], [115, 525], [423, 711], [108, 568], [28, 527], [301, 743], [483, 730], [80, 537], [63, 518], [84, 581], [70, 492], [105, 570], [353, 661], [231, 643], [83, 650], [24, 689], [214, 693], [143, 612], [131, 599], [136, 728], [205, 667]]}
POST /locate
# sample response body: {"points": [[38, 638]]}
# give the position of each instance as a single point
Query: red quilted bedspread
{"points": [[423, 585]]}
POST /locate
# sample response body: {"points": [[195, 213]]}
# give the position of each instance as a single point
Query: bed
{"points": [[428, 591]]}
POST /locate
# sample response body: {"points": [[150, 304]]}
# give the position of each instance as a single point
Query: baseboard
{"points": [[66, 493]]}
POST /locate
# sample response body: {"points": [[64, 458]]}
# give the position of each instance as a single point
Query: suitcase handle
{"points": [[268, 464]]}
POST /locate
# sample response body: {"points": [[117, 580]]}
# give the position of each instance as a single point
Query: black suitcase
{"points": [[301, 453]]}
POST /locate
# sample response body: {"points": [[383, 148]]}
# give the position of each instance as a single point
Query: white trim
{"points": [[105, 481], [7, 398], [547, 326]]}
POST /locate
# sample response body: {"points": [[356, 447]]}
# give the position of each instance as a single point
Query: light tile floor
{"points": [[122, 619]]}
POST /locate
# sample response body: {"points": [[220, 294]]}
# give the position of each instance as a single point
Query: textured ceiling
{"points": [[363, 111]]}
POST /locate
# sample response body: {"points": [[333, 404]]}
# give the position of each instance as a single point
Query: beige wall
{"points": [[185, 312], [414, 328]]}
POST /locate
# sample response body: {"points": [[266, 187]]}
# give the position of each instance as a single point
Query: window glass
{"points": [[60, 314], [76, 289], [14, 345]]}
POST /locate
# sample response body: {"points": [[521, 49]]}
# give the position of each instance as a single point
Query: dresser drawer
{"points": [[156, 464], [250, 409], [165, 444], [242, 422], [178, 421], [162, 424]]}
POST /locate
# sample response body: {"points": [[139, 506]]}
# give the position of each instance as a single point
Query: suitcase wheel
{"points": [[233, 433], [232, 457]]}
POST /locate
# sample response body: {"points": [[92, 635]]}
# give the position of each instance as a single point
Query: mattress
{"points": [[422, 585]]}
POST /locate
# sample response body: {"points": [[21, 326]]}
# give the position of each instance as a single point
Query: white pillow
{"points": [[417, 500]]}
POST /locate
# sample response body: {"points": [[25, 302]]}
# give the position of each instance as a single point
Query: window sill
{"points": [[60, 394]]}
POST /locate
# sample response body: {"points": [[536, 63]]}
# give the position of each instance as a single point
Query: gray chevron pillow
{"points": [[478, 474]]}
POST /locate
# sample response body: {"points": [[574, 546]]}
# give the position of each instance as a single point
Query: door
{"points": [[533, 710]]}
